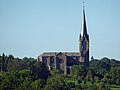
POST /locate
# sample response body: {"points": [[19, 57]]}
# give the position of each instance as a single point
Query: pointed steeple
{"points": [[84, 42], [84, 27]]}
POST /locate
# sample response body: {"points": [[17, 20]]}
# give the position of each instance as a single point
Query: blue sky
{"points": [[31, 27]]}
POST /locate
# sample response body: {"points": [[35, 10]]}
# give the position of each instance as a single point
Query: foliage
{"points": [[27, 74], [39, 70], [56, 81], [78, 72], [38, 84]]}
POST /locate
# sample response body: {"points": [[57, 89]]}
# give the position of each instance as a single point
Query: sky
{"points": [[31, 27]]}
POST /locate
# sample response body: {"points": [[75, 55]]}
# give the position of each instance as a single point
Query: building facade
{"points": [[64, 60]]}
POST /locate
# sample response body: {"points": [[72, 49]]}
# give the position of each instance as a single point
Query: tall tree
{"points": [[40, 71], [78, 71], [3, 62]]}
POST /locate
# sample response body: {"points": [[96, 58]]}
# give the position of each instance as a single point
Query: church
{"points": [[63, 61]]}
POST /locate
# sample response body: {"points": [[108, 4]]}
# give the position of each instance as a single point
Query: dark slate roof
{"points": [[55, 53]]}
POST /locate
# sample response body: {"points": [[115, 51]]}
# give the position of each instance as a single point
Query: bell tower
{"points": [[84, 43]]}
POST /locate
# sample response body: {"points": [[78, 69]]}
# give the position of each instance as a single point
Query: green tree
{"points": [[92, 58], [0, 63], [56, 81], [118, 81], [97, 79], [16, 64], [10, 80], [38, 84], [101, 86], [90, 75], [39, 71], [3, 62], [26, 84], [77, 72]]}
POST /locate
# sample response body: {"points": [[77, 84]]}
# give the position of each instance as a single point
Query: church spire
{"points": [[84, 42], [84, 27]]}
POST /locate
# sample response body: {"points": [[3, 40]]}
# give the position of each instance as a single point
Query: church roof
{"points": [[55, 53], [84, 27]]}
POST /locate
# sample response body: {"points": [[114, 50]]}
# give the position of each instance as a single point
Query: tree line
{"points": [[28, 74]]}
